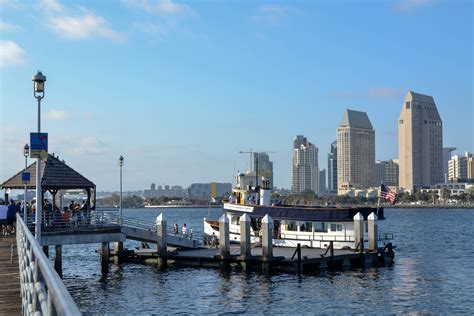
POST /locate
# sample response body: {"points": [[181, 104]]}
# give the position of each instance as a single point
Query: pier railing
{"points": [[42, 290], [197, 237], [77, 221]]}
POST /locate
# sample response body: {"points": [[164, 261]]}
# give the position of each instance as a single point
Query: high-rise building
{"points": [[355, 151], [386, 172], [264, 166], [458, 168], [298, 141], [392, 171], [332, 169], [304, 172], [446, 157], [420, 142], [470, 168], [322, 182]]}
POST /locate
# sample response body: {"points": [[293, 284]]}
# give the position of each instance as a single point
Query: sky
{"points": [[179, 88]]}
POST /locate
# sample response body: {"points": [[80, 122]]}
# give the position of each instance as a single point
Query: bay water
{"points": [[433, 273]]}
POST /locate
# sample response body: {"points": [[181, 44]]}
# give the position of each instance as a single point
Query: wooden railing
{"points": [[42, 290]]}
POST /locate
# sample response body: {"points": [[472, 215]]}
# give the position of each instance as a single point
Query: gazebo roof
{"points": [[55, 175]]}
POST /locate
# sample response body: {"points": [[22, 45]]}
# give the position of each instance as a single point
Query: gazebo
{"points": [[55, 176]]}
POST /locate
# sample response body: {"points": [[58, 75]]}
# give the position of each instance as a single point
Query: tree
{"points": [[445, 194]]}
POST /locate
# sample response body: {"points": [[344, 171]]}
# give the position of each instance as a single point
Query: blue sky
{"points": [[179, 88]]}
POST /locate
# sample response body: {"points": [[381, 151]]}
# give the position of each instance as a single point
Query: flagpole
{"points": [[378, 202]]}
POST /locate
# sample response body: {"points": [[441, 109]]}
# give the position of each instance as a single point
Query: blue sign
{"points": [[25, 177], [39, 145]]}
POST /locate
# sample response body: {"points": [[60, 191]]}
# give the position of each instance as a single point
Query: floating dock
{"points": [[263, 256], [283, 259]]}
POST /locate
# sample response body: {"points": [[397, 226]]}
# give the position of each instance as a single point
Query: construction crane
{"points": [[248, 152], [251, 152]]}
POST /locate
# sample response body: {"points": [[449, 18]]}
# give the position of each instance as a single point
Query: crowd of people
{"points": [[76, 214]]}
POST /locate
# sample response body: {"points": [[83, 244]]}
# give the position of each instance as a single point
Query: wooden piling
{"points": [[298, 250], [358, 231], [267, 242], [224, 241], [104, 257], [245, 243], [46, 250], [58, 260], [118, 252], [373, 231], [162, 241]]}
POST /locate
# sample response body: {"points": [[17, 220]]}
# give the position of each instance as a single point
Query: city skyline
{"points": [[179, 90]]}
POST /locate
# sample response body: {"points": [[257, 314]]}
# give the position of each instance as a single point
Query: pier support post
{"points": [[46, 250], [224, 241], [373, 233], [267, 238], [162, 241], [245, 242], [359, 231], [58, 260], [118, 251], [104, 257]]}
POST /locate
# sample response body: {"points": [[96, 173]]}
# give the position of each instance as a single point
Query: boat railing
{"points": [[381, 237], [42, 290]]}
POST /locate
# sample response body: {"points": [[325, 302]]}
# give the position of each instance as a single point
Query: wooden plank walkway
{"points": [[10, 299]]}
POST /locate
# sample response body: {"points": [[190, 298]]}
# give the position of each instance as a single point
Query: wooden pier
{"points": [[10, 297]]}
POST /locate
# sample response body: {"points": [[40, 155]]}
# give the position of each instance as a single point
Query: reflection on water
{"points": [[432, 273]]}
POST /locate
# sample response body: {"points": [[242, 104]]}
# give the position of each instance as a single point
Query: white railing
{"points": [[42, 290]]}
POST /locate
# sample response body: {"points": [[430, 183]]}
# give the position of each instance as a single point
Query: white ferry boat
{"points": [[312, 227]]}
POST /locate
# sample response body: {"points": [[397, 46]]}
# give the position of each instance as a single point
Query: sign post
{"points": [[39, 145]]}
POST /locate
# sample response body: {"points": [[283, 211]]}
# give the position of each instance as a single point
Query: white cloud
{"points": [[83, 27], [11, 54], [410, 5], [52, 6], [165, 7], [7, 27], [58, 115], [274, 13]]}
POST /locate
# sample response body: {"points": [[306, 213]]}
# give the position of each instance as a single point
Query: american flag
{"points": [[387, 194]]}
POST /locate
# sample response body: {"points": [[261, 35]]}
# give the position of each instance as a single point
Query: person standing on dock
{"points": [[3, 218], [175, 229], [184, 230]]}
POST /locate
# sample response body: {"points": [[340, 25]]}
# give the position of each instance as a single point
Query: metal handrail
{"points": [[42, 289], [133, 222]]}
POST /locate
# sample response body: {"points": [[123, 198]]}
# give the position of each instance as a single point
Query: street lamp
{"points": [[120, 162], [38, 86], [26, 152]]}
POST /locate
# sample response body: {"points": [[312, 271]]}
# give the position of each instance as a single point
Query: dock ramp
{"points": [[143, 231]]}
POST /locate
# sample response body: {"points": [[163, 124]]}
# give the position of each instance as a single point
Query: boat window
{"points": [[292, 226], [235, 220], [306, 226], [320, 227], [336, 227]]}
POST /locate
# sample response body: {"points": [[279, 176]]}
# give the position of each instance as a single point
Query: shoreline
{"points": [[401, 206]]}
